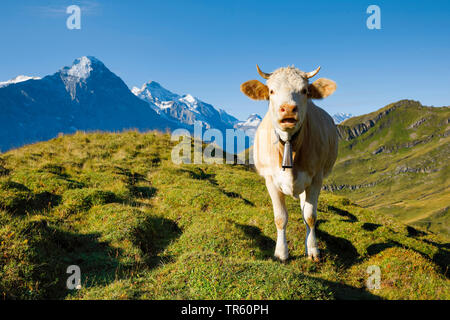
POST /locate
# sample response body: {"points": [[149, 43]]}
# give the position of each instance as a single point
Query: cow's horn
{"points": [[312, 73], [263, 74]]}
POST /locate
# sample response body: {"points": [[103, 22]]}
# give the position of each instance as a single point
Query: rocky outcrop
{"points": [[333, 187], [417, 123], [351, 132], [407, 145], [405, 169]]}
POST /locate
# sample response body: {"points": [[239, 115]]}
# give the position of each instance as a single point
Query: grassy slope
{"points": [[141, 227], [391, 180]]}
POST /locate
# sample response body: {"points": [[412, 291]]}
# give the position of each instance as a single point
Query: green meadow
{"points": [[141, 227]]}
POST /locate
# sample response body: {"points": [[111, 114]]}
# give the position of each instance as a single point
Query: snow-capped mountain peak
{"points": [[341, 116], [252, 122], [136, 90], [153, 92], [85, 95], [189, 99], [186, 109], [82, 68], [20, 78]]}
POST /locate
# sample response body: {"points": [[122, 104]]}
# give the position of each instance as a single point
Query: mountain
{"points": [[83, 96], [88, 96], [141, 227], [251, 123], [341, 116], [184, 109], [249, 126], [395, 160], [17, 79]]}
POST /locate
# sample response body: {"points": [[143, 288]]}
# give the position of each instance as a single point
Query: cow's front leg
{"points": [[309, 199], [281, 219]]}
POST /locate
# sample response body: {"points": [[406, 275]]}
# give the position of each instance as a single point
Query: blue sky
{"points": [[208, 48]]}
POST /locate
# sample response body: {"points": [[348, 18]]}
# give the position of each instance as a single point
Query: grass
{"points": [[142, 227]]}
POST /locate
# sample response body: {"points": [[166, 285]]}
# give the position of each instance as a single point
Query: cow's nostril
{"points": [[282, 109], [295, 109]]}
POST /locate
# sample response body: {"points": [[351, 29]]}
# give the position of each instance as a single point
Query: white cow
{"points": [[295, 146]]}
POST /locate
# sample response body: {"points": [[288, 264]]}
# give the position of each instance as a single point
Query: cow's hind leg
{"points": [[309, 199], [281, 219]]}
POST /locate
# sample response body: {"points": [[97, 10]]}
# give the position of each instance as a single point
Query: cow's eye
{"points": [[271, 91], [304, 91]]}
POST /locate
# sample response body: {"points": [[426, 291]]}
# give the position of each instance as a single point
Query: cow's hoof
{"points": [[314, 255], [281, 256]]}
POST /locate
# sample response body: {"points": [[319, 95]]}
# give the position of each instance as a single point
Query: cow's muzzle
{"points": [[288, 116]]}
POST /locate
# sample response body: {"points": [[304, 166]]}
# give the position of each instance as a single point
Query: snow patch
{"points": [[341, 116], [20, 78], [81, 68]]}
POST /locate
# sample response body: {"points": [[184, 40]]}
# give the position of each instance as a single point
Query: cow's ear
{"points": [[321, 88], [255, 90]]}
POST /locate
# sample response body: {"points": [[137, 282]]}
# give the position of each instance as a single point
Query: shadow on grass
{"points": [[343, 213], [200, 174], [439, 245], [238, 196], [153, 236], [60, 172], [341, 249], [376, 248], [131, 178], [45, 200], [441, 258], [344, 251], [19, 199], [347, 292], [413, 232], [4, 171], [265, 244], [52, 250], [143, 192], [370, 226], [340, 291], [347, 255]]}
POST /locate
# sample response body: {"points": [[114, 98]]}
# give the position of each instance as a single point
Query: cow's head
{"points": [[288, 91]]}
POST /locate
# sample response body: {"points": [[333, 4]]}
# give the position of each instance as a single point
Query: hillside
{"points": [[141, 227], [395, 160]]}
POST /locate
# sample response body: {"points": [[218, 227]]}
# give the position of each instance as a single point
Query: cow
{"points": [[295, 146]]}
